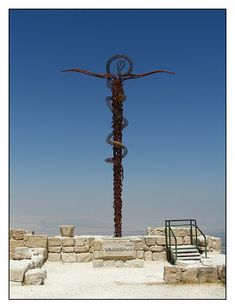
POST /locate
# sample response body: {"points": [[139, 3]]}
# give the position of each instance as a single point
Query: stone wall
{"points": [[194, 274], [86, 248], [26, 238]]}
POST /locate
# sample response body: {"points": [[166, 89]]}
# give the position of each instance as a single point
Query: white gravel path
{"points": [[82, 281]]}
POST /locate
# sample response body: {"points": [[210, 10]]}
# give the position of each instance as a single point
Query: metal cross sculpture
{"points": [[115, 81]]}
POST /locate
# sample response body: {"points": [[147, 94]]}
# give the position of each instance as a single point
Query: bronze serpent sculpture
{"points": [[115, 102]]}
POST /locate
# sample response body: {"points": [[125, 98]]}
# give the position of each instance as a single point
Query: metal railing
{"points": [[192, 223]]}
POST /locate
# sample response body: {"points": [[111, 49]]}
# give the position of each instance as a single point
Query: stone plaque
{"points": [[118, 249]]}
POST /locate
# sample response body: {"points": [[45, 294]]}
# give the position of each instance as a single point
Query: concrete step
{"points": [[186, 250], [189, 258]]}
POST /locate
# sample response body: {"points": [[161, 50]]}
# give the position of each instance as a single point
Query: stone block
{"points": [[187, 240], [98, 263], [18, 269], [109, 263], [145, 248], [39, 251], [134, 263], [15, 243], [156, 248], [69, 257], [119, 263], [84, 257], [139, 254], [180, 231], [139, 245], [18, 234], [155, 231], [67, 230], [90, 241], [207, 274], [54, 241], [35, 241], [96, 245], [91, 249], [221, 272], [84, 248], [54, 257], [161, 240], [189, 275], [214, 244], [56, 249], [37, 261], [68, 249], [35, 276], [150, 241], [180, 240], [80, 241], [148, 256], [97, 255], [159, 256], [172, 274], [21, 253], [67, 241]]}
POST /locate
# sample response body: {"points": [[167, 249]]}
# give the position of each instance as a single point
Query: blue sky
{"points": [[59, 121]]}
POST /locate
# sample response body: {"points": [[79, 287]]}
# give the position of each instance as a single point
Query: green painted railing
{"points": [[192, 224]]}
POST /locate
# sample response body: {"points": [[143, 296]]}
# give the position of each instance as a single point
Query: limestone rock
{"points": [[68, 257], [67, 241], [148, 256], [221, 272], [84, 248], [150, 241], [159, 256], [119, 263], [156, 231], [139, 254], [68, 249], [172, 274], [38, 261], [97, 245], [39, 251], [21, 253], [54, 257], [207, 274], [139, 245], [54, 249], [98, 263], [18, 269], [15, 243], [35, 276], [80, 241], [84, 257], [54, 241], [97, 255], [67, 230], [187, 240], [161, 240], [156, 248], [180, 231], [109, 263], [90, 241], [18, 234], [189, 275], [35, 241], [134, 263]]}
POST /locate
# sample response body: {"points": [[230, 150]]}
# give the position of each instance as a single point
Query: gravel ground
{"points": [[82, 281]]}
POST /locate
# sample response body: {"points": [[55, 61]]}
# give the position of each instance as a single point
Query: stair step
{"points": [[184, 247], [182, 254], [185, 250], [189, 258]]}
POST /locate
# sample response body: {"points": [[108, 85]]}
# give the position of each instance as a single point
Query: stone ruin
{"points": [[28, 253]]}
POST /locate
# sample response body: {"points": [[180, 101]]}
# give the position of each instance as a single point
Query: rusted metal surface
{"points": [[115, 81]]}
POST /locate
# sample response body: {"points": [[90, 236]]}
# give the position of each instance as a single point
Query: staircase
{"points": [[177, 252], [186, 253]]}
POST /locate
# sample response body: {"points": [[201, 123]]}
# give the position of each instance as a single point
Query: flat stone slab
{"points": [[117, 249]]}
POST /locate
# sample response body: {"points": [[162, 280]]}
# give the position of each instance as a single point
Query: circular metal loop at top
{"points": [[122, 60]]}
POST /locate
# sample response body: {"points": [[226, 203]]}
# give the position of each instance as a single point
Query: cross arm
{"points": [[78, 70], [135, 76]]}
